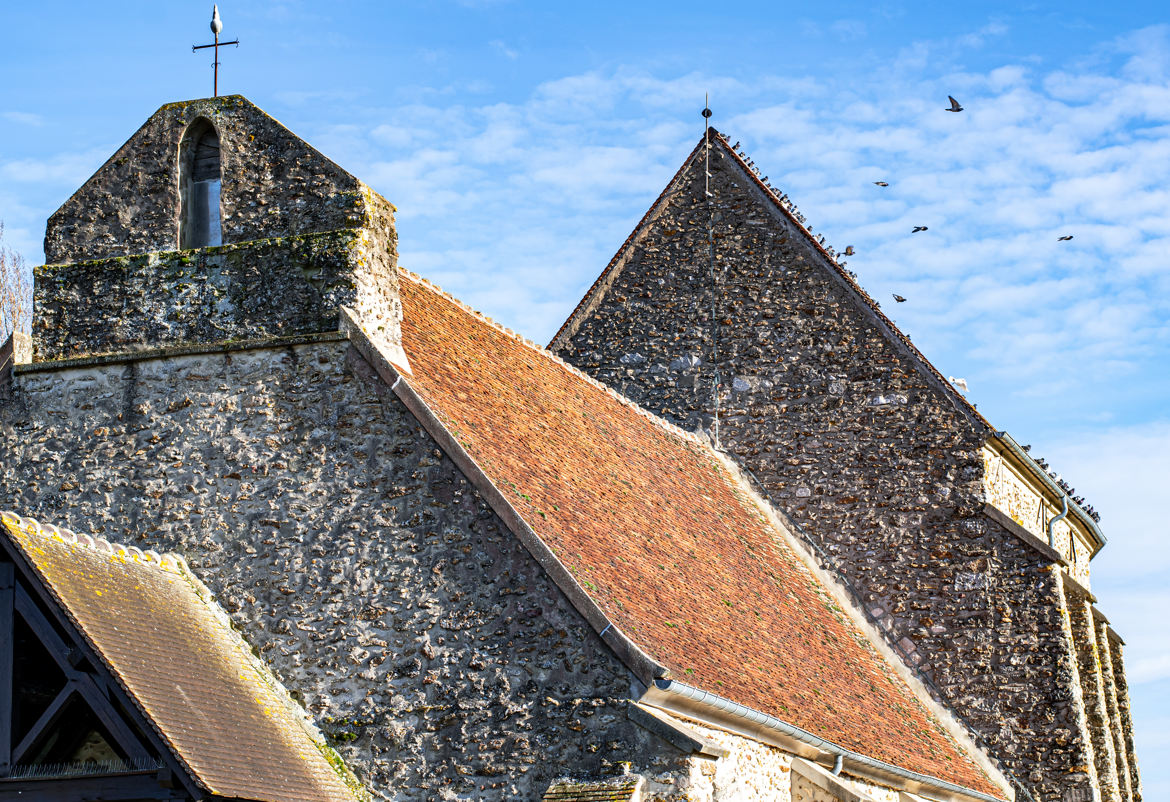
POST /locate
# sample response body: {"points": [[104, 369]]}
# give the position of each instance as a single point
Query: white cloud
{"points": [[23, 118], [504, 50], [66, 169]]}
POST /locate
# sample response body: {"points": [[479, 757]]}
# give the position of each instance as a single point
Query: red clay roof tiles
{"points": [[652, 525]]}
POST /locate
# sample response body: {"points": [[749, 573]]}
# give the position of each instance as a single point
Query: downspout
{"points": [[1052, 524], [707, 699]]}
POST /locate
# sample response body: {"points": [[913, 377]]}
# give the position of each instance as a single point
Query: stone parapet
{"points": [[275, 287]]}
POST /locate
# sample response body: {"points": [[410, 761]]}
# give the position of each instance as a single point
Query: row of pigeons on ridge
{"points": [[960, 384], [849, 250]]}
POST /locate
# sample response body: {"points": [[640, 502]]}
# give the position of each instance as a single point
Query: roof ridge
{"points": [[167, 561], [691, 437], [848, 276]]}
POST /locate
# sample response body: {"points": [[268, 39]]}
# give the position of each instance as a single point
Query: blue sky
{"points": [[522, 141]]}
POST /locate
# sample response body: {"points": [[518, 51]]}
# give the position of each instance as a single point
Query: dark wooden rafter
{"points": [[93, 690], [7, 661], [47, 720]]}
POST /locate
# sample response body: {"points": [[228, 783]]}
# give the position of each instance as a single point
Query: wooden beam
{"points": [[134, 786], [7, 656], [98, 701], [47, 720]]}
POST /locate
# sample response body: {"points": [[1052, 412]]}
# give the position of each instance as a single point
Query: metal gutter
{"points": [[687, 700], [1052, 486], [1053, 522]]}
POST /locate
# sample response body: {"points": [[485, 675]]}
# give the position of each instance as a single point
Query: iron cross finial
{"points": [[216, 27]]}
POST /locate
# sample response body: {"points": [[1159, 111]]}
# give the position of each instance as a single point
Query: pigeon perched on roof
{"points": [[959, 383], [954, 104], [849, 250], [1065, 238], [919, 228], [881, 183], [899, 298]]}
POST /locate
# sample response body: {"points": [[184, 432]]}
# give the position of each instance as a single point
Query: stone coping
{"points": [[221, 347]]}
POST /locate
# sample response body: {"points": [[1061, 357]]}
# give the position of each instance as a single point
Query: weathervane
{"points": [[216, 27]]}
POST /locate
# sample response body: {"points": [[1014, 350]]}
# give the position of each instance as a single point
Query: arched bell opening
{"points": [[200, 223]]}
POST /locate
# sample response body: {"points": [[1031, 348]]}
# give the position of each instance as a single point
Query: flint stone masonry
{"points": [[359, 562], [1093, 694], [751, 771], [1125, 735], [855, 441], [273, 185]]}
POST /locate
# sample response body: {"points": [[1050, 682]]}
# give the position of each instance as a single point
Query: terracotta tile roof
{"points": [[173, 650], [615, 789], [651, 524]]}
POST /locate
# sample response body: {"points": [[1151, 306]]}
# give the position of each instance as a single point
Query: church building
{"points": [[287, 522]]}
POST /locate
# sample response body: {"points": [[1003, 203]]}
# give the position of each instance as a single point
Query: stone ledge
{"points": [[997, 515], [673, 732], [221, 347], [1072, 584]]}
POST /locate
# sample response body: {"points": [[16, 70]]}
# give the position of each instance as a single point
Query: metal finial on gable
{"points": [[216, 27], [716, 381]]}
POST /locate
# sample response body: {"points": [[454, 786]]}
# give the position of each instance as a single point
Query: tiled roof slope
{"points": [[159, 633], [651, 524]]}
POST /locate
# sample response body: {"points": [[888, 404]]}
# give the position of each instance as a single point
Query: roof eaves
{"points": [[687, 700]]}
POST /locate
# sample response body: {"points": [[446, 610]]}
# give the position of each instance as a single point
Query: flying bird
{"points": [[899, 298], [919, 228], [849, 250], [960, 383], [954, 104], [881, 183], [1065, 238]]}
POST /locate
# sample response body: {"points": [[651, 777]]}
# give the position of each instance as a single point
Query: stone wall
{"points": [[1093, 695], [273, 185], [846, 432], [1125, 735], [749, 772], [362, 565], [261, 288]]}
